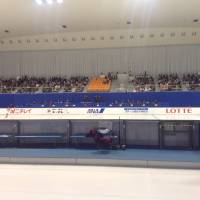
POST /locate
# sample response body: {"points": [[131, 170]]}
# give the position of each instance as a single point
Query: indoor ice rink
{"points": [[99, 99]]}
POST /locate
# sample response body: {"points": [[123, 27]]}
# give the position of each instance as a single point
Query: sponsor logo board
{"points": [[18, 111], [179, 110], [95, 110], [136, 109], [57, 111]]}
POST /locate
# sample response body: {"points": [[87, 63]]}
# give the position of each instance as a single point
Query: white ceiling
{"points": [[25, 17]]}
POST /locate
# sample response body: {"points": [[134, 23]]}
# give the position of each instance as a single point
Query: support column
{"points": [[69, 131], [196, 135], [123, 134]]}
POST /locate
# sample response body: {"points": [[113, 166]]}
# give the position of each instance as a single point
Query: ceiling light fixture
{"points": [[59, 1], [39, 2], [49, 2]]}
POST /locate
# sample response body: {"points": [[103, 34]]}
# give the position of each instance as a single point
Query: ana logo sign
{"points": [[96, 110], [179, 110]]}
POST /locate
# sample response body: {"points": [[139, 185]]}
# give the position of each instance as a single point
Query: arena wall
{"points": [[154, 60]]}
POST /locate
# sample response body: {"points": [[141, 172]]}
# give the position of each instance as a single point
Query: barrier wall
{"points": [[164, 99], [70, 133], [8, 127], [142, 133], [43, 126], [112, 106]]}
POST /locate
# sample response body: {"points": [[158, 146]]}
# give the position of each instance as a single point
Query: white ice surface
{"points": [[23, 182]]}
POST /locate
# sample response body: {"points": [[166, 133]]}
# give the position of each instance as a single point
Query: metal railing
{"points": [[136, 87], [9, 89]]}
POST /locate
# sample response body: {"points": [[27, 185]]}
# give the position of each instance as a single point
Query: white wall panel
{"points": [[38, 63], [154, 60], [10, 64]]}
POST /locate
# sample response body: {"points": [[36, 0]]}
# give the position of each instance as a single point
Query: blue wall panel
{"points": [[164, 99]]}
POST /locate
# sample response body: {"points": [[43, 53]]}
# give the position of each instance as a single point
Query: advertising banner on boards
{"points": [[130, 113]]}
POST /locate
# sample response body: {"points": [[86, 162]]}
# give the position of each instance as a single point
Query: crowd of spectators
{"points": [[144, 82], [27, 84], [21, 84], [191, 81], [112, 75], [141, 83], [74, 84], [168, 82]]}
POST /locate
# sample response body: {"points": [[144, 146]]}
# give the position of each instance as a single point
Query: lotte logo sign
{"points": [[179, 110]]}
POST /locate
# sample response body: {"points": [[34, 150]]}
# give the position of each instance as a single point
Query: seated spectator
{"points": [[191, 81], [169, 82], [143, 82]]}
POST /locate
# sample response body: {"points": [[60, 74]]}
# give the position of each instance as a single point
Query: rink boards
{"points": [[104, 113]]}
